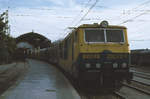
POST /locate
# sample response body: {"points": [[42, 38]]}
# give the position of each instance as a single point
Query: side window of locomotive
{"points": [[66, 49], [114, 35], [76, 37], [72, 47], [94, 35], [60, 51]]}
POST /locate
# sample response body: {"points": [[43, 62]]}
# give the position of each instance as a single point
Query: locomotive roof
{"points": [[96, 25]]}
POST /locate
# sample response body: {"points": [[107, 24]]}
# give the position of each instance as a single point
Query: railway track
{"points": [[140, 86], [115, 95], [141, 74], [119, 95], [142, 83], [137, 89], [141, 78]]}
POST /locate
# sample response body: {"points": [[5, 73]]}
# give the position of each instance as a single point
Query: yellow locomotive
{"points": [[95, 54]]}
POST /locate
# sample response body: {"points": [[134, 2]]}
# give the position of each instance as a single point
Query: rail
{"points": [[138, 89]]}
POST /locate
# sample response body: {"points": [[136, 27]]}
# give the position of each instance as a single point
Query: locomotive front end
{"points": [[104, 57]]}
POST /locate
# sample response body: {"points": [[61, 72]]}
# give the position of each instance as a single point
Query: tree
{"points": [[7, 43]]}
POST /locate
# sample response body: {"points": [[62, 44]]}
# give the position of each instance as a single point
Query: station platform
{"points": [[42, 81]]}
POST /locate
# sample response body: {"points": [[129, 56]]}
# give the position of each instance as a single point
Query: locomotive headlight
{"points": [[115, 65], [124, 65], [98, 65], [87, 65]]}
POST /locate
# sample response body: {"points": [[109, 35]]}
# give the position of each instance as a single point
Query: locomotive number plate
{"points": [[91, 56], [116, 56]]}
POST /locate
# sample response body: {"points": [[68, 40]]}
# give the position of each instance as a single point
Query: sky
{"points": [[51, 18]]}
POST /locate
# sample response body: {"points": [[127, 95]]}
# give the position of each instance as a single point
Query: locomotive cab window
{"points": [[104, 35], [114, 35], [76, 37], [66, 49], [94, 35]]}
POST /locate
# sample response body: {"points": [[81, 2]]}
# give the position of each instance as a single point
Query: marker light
{"points": [[98, 65], [115, 65], [104, 24], [124, 65], [87, 65]]}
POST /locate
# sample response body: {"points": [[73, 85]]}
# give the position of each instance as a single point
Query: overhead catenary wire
{"points": [[137, 16], [45, 8], [144, 3], [93, 5], [133, 9], [133, 18], [130, 20], [138, 6], [87, 12], [82, 10]]}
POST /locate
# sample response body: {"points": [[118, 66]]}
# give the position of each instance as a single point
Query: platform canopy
{"points": [[35, 39]]}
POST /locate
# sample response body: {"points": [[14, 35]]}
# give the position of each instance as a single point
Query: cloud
{"points": [[51, 21], [44, 22], [61, 2], [36, 3]]}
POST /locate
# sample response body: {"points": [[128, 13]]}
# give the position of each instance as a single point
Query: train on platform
{"points": [[96, 55]]}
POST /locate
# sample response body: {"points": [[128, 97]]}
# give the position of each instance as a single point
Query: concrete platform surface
{"points": [[42, 81]]}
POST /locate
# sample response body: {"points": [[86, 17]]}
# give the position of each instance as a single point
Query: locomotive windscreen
{"points": [[94, 35], [104, 35], [114, 36]]}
